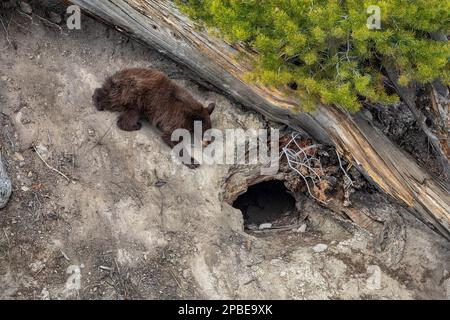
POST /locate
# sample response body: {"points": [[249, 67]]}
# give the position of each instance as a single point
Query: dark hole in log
{"points": [[265, 202]]}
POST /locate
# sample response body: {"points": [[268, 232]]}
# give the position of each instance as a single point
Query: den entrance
{"points": [[265, 203]]}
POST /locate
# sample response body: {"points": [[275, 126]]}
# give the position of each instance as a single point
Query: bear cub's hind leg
{"points": [[129, 120]]}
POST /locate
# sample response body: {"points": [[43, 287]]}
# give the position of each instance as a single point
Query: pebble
{"points": [[25, 7], [321, 247]]}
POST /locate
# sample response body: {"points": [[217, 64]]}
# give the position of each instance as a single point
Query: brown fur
{"points": [[146, 93]]}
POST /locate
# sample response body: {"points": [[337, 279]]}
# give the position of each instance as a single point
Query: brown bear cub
{"points": [[146, 93]]}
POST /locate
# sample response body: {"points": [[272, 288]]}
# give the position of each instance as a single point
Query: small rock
{"points": [[19, 157], [321, 247], [43, 151], [263, 226], [4, 78], [25, 189], [55, 17], [301, 229], [25, 7], [36, 266]]}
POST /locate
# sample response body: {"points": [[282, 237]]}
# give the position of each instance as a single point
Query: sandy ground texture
{"points": [[128, 223]]}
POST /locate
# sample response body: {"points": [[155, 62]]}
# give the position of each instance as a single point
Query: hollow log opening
{"points": [[264, 203]]}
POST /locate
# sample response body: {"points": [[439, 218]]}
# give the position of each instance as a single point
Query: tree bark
{"points": [[160, 25]]}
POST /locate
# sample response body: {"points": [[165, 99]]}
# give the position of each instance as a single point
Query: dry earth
{"points": [[130, 223]]}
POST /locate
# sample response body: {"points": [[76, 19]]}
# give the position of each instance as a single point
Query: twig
{"points": [[345, 172], [6, 33], [7, 238], [50, 167], [23, 14], [64, 255], [121, 282], [175, 278], [105, 268], [101, 138]]}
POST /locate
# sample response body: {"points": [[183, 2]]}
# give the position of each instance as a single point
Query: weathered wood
{"points": [[160, 25]]}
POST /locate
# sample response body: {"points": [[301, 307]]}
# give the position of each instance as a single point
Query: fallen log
{"points": [[160, 25]]}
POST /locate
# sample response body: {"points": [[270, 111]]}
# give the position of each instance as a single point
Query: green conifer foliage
{"points": [[326, 48]]}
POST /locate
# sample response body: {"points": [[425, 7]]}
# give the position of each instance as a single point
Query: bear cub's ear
{"points": [[211, 107]]}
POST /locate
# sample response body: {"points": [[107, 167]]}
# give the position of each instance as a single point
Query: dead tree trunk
{"points": [[160, 25]]}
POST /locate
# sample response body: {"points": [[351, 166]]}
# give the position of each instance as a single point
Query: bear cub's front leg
{"points": [[129, 120]]}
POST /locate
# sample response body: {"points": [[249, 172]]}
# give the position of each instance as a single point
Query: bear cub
{"points": [[146, 93]]}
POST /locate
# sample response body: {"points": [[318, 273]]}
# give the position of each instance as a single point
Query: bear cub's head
{"points": [[204, 115]]}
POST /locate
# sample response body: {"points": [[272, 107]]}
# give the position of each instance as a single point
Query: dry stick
{"points": [[49, 22], [50, 167], [301, 175], [279, 228], [306, 158], [6, 32], [292, 157], [175, 278]]}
